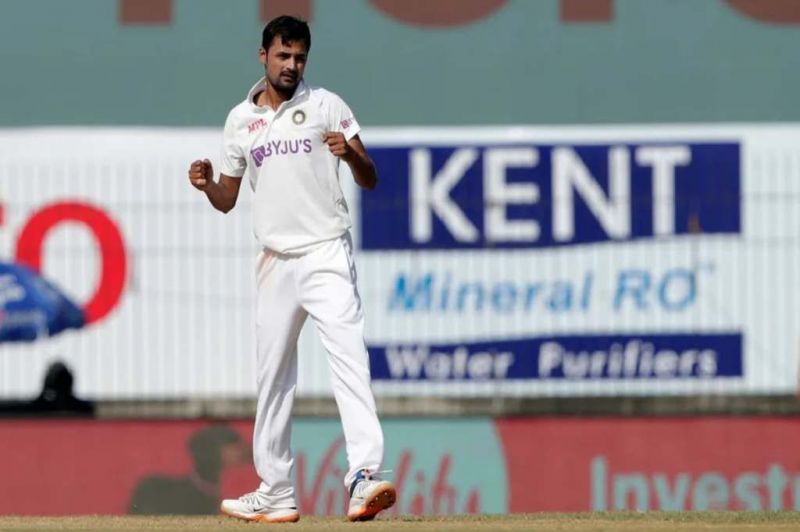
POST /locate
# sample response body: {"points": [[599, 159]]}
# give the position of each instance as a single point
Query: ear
{"points": [[262, 56]]}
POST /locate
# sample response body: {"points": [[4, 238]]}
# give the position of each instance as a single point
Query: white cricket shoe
{"points": [[368, 496], [251, 507]]}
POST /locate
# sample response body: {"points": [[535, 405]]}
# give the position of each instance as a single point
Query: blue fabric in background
{"points": [[31, 307]]}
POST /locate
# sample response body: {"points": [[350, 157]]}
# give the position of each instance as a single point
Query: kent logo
{"points": [[549, 195]]}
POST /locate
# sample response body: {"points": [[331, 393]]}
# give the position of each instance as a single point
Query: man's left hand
{"points": [[338, 145]]}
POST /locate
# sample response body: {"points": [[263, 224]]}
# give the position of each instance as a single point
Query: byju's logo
{"points": [[549, 195], [279, 147]]}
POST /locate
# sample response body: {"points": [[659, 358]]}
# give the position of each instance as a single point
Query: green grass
{"points": [[652, 521]]}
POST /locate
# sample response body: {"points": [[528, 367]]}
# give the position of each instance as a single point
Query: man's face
{"points": [[285, 63]]}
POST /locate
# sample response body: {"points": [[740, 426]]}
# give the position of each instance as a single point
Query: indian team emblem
{"points": [[298, 117]]}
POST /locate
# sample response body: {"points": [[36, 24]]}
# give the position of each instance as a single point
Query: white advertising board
{"points": [[515, 261]]}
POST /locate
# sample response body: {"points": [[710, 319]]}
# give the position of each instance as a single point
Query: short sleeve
{"points": [[341, 118], [233, 160]]}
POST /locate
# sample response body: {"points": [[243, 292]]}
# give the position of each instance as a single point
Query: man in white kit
{"points": [[289, 138]]}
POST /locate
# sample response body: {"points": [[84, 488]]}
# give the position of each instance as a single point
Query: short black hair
{"points": [[289, 29]]}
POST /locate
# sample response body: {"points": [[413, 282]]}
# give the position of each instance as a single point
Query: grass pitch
{"points": [[584, 522]]}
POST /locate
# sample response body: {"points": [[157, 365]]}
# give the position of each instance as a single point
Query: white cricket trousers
{"points": [[320, 284]]}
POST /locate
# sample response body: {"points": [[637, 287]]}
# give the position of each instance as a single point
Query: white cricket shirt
{"points": [[298, 200]]}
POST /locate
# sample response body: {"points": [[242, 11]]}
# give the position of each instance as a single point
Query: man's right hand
{"points": [[201, 174]]}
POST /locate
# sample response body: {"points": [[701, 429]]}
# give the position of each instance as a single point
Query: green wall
{"points": [[71, 62]]}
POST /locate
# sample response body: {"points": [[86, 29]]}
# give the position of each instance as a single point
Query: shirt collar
{"points": [[261, 85]]}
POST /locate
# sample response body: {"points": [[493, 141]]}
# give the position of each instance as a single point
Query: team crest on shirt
{"points": [[298, 117]]}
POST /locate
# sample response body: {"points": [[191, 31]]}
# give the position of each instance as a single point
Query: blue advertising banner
{"points": [[537, 195], [654, 356]]}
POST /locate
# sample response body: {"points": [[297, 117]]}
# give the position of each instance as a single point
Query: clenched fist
{"points": [[338, 145], [201, 174]]}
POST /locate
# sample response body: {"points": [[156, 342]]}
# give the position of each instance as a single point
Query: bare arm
{"points": [[355, 155], [223, 193]]}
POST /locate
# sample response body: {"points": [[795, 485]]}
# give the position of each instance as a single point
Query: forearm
{"points": [[363, 170], [220, 196]]}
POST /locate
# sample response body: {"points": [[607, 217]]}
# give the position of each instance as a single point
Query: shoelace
{"points": [[369, 478], [372, 475], [251, 498], [361, 487]]}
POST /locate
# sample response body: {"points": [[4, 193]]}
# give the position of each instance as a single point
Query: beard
{"points": [[284, 83]]}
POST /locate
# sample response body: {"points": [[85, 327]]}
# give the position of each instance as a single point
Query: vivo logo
{"points": [[534, 195]]}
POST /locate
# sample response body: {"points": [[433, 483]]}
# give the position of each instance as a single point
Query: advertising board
{"points": [[519, 261]]}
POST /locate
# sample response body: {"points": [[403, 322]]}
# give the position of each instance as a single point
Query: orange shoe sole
{"points": [[379, 502], [262, 518]]}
